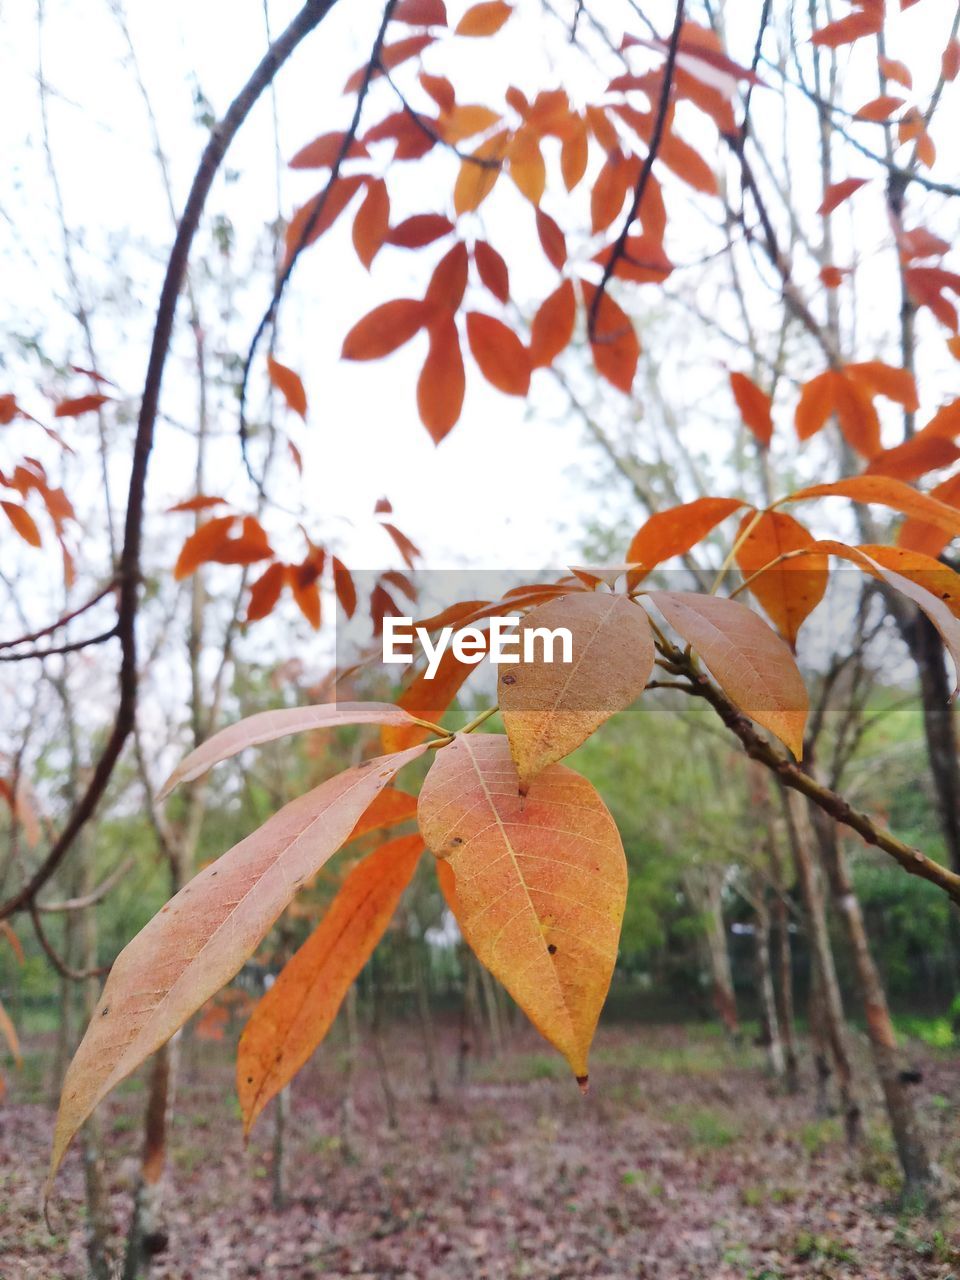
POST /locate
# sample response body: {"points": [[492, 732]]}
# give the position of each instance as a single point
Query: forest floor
{"points": [[683, 1163]]}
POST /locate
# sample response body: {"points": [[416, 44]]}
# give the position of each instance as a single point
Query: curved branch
{"points": [[309, 17]]}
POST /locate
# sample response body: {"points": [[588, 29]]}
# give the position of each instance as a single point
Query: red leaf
{"points": [[832, 277], [895, 70], [322, 152], [879, 109], [265, 592], [344, 587], [552, 239], [502, 357], [407, 549], [754, 406], [492, 270], [202, 545], [553, 325], [419, 230], [421, 13], [384, 329], [200, 503], [372, 222], [449, 280], [837, 192], [950, 63], [643, 260], [82, 404], [615, 345], [392, 55], [319, 214], [289, 385], [863, 22], [441, 385]]}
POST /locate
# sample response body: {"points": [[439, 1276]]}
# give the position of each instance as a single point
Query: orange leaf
{"points": [[552, 326], [344, 587], [643, 260], [878, 109], [503, 359], [23, 522], [888, 493], [615, 345], [792, 590], [372, 222], [384, 329], [391, 55], [205, 933], [289, 385], [389, 808], [479, 173], [950, 63], [265, 592], [815, 405], [832, 277], [492, 270], [550, 708], [306, 592], [856, 414], [609, 191], [527, 168], [754, 405], [449, 280], [675, 531], [863, 22], [429, 699], [484, 19], [884, 380], [202, 545], [920, 535], [552, 240], [892, 69], [441, 385], [322, 153], [407, 549], [574, 152], [926, 571], [926, 451], [540, 883], [318, 215], [748, 660], [838, 192], [460, 122], [82, 404], [294, 1016], [418, 230], [199, 503]]}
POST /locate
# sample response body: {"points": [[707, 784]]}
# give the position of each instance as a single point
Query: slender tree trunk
{"points": [[148, 1235], [281, 1115], [831, 1004], [492, 1006], [98, 1213], [904, 1121], [348, 1115], [426, 1022], [768, 1004], [784, 967], [389, 1097], [718, 954], [819, 1041]]}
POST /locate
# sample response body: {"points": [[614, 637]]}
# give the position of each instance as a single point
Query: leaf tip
{"points": [[583, 1084]]}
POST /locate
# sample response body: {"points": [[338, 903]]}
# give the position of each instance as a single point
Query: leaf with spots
{"points": [[790, 591], [202, 937], [550, 707], [294, 1016], [539, 883], [748, 660]]}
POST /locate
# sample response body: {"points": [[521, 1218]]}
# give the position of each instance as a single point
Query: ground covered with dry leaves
{"points": [[683, 1162]]}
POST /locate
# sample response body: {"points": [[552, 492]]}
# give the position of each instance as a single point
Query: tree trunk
{"points": [[718, 954], [389, 1097], [820, 1044], [887, 1057], [148, 1235], [831, 1003], [426, 1022], [348, 1115], [768, 1005], [281, 1114], [784, 967]]}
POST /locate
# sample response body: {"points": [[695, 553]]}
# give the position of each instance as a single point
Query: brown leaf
{"points": [[441, 385], [484, 19], [23, 522], [419, 230], [201, 938], [265, 592], [384, 329], [82, 404], [748, 660], [289, 385], [550, 708], [615, 345], [553, 325], [492, 270], [372, 222], [552, 240]]}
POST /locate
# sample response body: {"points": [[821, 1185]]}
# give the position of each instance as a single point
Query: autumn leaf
{"points": [[267, 726], [202, 544], [372, 222], [484, 19], [553, 325], [881, 379], [501, 356], [540, 883], [319, 214], [879, 109], [459, 122], [492, 270], [917, 534], [923, 452], [384, 329], [265, 592], [748, 660], [442, 382], [388, 808], [200, 502], [448, 281], [409, 551], [23, 522], [479, 173], [81, 405], [391, 55], [574, 152], [294, 1016], [344, 587], [893, 69], [550, 708], [837, 192], [865, 21], [615, 345], [887, 492], [552, 240], [815, 405], [675, 531], [9, 1033], [754, 406], [421, 13], [419, 230], [792, 590], [429, 699], [926, 571], [323, 152], [196, 943], [289, 385]]}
